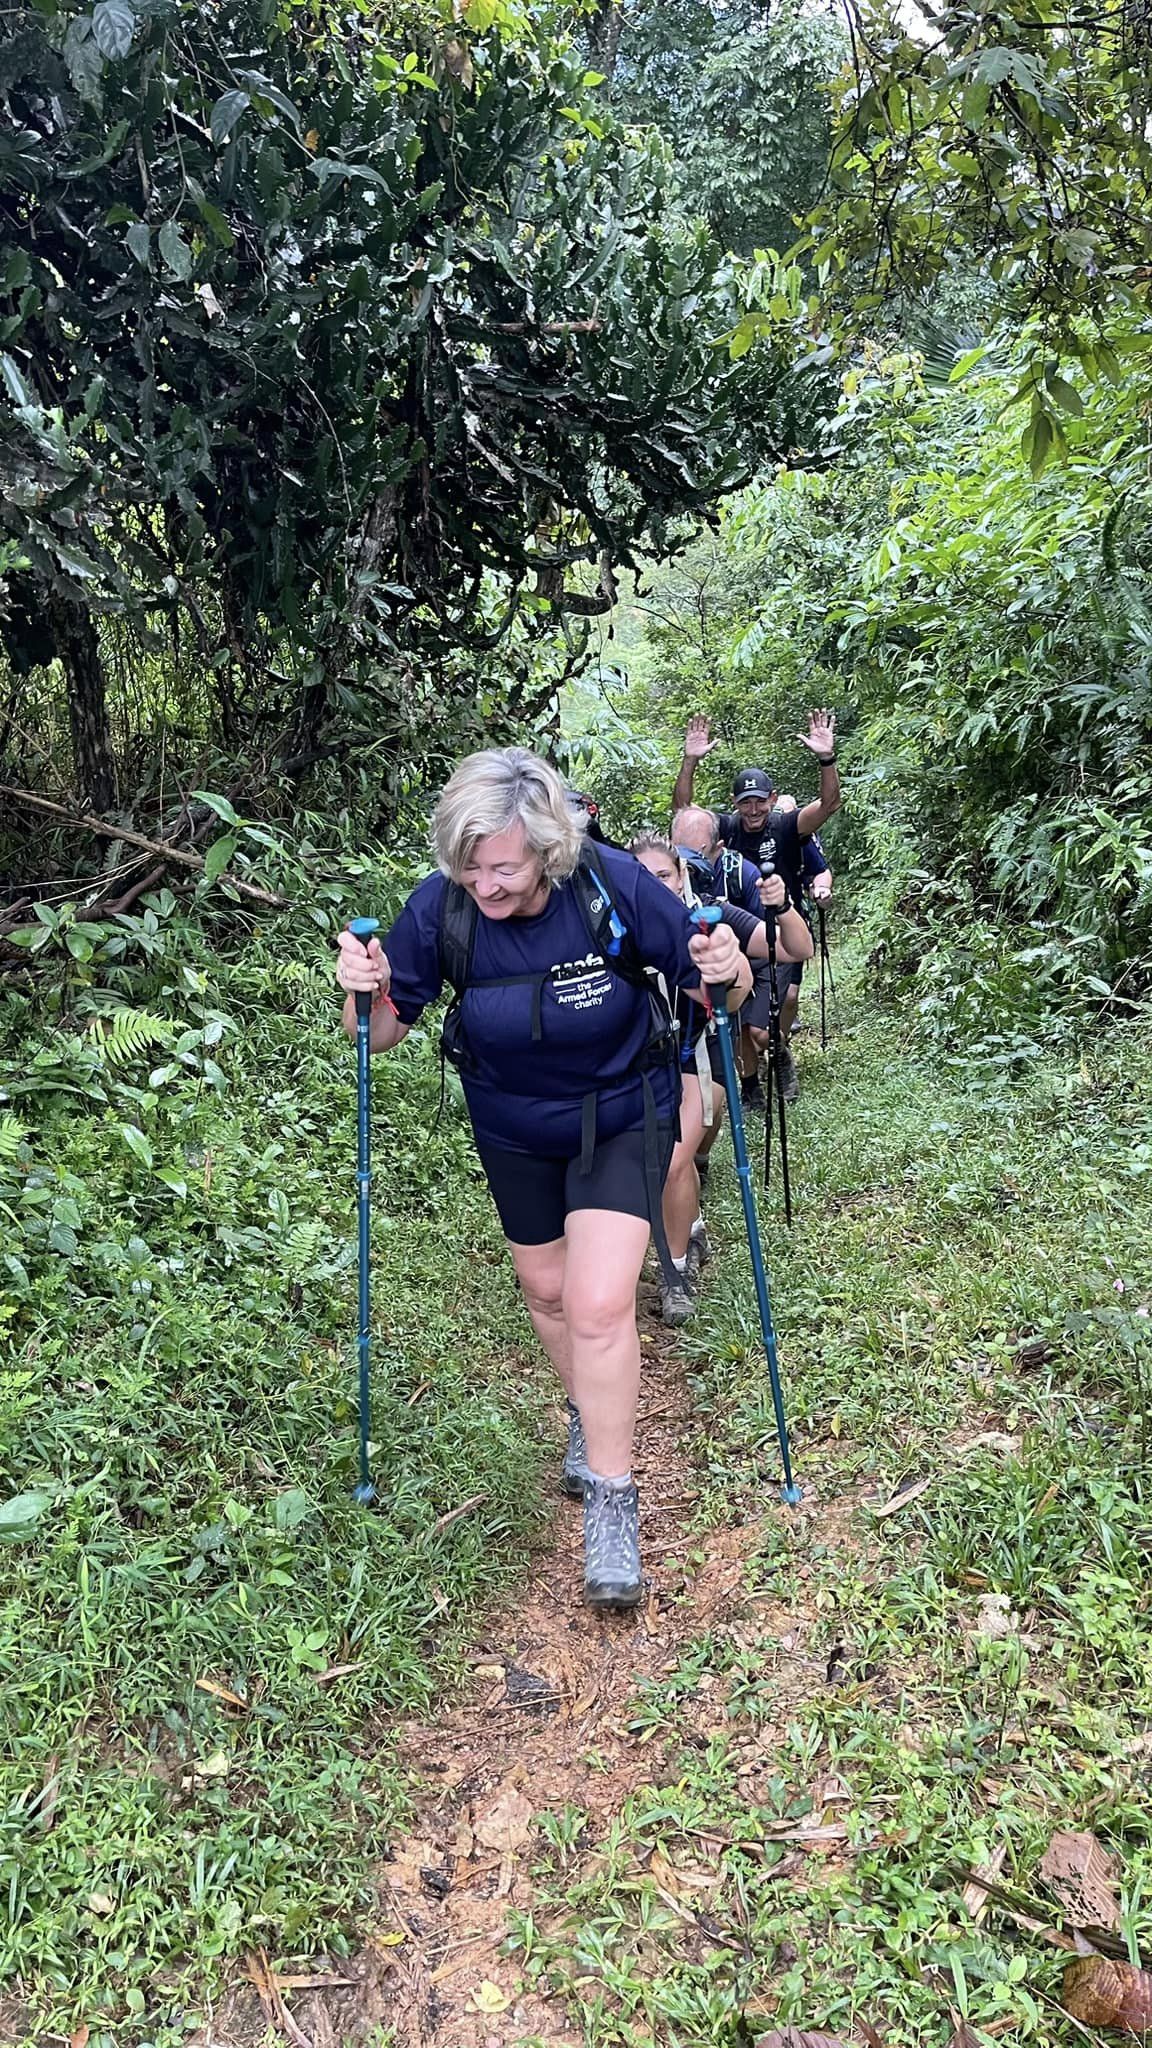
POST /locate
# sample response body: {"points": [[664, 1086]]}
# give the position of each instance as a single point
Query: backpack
{"points": [[617, 947], [730, 865]]}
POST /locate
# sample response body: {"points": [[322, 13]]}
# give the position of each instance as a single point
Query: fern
{"points": [[12, 1135], [128, 1034]]}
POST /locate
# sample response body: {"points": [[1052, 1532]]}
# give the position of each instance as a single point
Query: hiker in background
{"points": [[816, 880], [590, 811], [570, 1071], [701, 1105], [754, 819], [735, 880]]}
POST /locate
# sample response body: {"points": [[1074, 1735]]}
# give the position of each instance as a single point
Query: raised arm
{"points": [[696, 745], [820, 740]]}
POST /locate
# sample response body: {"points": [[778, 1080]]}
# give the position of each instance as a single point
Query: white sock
{"points": [[697, 1227], [681, 1265], [605, 1479]]}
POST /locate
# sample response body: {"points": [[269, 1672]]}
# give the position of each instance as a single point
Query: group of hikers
{"points": [[582, 992]]}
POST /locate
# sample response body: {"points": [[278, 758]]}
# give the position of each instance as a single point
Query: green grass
{"points": [[177, 1382], [943, 1226], [176, 1392]]}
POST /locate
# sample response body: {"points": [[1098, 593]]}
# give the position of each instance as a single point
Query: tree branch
{"points": [[169, 854]]}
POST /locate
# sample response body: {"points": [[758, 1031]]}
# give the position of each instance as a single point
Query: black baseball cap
{"points": [[752, 782]]}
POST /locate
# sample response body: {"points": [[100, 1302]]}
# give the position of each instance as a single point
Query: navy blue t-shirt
{"points": [[737, 881], [783, 829], [525, 1095], [812, 861]]}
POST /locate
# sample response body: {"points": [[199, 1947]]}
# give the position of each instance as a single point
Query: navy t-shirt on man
{"points": [[526, 1094], [783, 829]]}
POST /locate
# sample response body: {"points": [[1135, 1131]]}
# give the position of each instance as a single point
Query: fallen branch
{"points": [[455, 1514], [170, 855]]}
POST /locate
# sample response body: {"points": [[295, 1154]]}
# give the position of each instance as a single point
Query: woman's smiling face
{"points": [[504, 877]]}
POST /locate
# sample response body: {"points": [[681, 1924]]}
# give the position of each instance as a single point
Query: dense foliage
{"points": [[1011, 139], [989, 639], [742, 91], [334, 363]]}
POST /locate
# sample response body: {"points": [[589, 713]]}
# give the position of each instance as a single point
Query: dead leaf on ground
{"points": [[80, 2037], [797, 2037], [827, 1790], [222, 1692], [488, 1997], [902, 1498], [1101, 1993], [506, 1824], [1079, 1872], [974, 1897], [990, 1440], [964, 2037]]}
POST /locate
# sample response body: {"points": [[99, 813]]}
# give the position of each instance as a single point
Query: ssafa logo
{"points": [[596, 905], [581, 984]]}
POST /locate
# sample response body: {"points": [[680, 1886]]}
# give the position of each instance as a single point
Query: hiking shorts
{"points": [[756, 1012], [789, 974], [533, 1196]]}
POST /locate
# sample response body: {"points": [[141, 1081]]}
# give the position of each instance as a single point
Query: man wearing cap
{"points": [[754, 818]]}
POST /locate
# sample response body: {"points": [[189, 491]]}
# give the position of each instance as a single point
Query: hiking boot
{"points": [[789, 1078], [752, 1095], [575, 1470], [676, 1302], [699, 1251], [611, 1545]]}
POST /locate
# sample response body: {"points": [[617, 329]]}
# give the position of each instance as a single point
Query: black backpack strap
{"points": [[458, 914]]}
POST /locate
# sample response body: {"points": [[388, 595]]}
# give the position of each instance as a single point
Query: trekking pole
{"points": [[826, 961], [767, 869], [363, 929], [707, 915], [820, 914]]}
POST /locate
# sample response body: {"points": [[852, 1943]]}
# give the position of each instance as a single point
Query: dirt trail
{"points": [[543, 1723]]}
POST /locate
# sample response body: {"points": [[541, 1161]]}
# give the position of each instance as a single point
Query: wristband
{"points": [[825, 760]]}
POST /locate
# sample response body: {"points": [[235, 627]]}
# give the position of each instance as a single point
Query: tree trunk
{"points": [[604, 36], [78, 652]]}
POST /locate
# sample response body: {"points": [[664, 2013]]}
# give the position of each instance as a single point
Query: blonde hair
{"points": [[494, 790], [654, 842]]}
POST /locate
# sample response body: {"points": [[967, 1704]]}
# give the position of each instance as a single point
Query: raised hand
{"points": [[820, 738], [696, 740]]}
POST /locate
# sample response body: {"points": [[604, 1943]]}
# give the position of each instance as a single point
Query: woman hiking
{"points": [[683, 1223], [570, 1073]]}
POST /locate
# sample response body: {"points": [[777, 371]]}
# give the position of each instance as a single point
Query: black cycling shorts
{"points": [[533, 1196]]}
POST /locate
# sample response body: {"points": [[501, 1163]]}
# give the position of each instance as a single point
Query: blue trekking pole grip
{"points": [[708, 915], [363, 928]]}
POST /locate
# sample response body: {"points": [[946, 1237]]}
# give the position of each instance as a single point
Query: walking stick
{"points": [[363, 928], [767, 869], [826, 962], [706, 915], [820, 914]]}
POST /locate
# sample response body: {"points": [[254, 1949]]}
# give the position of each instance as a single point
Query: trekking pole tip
{"points": [[792, 1495], [364, 1494]]}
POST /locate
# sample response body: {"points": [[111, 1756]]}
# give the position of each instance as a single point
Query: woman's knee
{"points": [[600, 1311]]}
